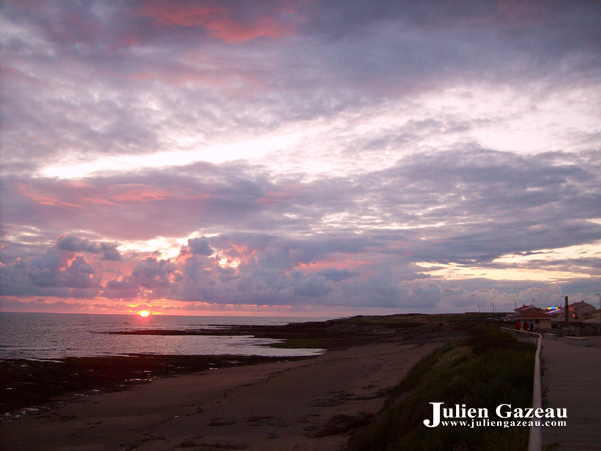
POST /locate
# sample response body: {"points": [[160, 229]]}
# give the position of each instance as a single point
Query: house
{"points": [[582, 310], [525, 308], [579, 311], [538, 318]]}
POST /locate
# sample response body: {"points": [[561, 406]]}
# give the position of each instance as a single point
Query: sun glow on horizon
{"points": [[144, 313]]}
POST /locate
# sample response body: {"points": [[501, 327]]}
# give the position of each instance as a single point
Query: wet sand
{"points": [[312, 404]]}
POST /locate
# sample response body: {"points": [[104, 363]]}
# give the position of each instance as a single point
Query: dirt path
{"points": [[302, 405]]}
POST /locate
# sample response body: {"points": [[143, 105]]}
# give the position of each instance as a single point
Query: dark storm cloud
{"points": [[268, 271], [152, 273], [61, 271], [200, 246], [51, 274], [76, 244], [336, 274]]}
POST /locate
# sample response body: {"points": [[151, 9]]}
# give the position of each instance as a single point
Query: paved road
{"points": [[573, 378]]}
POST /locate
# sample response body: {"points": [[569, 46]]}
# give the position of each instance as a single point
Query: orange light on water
{"points": [[144, 313]]}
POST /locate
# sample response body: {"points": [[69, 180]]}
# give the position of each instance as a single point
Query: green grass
{"points": [[486, 369], [394, 320], [460, 321]]}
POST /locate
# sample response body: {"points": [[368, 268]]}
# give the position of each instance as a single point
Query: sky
{"points": [[299, 158]]}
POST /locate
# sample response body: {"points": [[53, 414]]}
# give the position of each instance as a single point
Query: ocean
{"points": [[37, 336]]}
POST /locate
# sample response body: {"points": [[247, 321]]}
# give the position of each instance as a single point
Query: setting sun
{"points": [[144, 313]]}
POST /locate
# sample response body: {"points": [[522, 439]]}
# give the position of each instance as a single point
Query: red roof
{"points": [[527, 308], [531, 314], [581, 304]]}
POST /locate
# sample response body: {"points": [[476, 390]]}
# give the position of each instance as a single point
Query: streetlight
{"points": [[493, 307], [534, 302], [515, 303]]}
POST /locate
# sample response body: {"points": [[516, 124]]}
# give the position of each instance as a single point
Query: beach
{"points": [[310, 404]]}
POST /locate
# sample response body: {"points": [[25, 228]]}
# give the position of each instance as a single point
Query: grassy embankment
{"points": [[486, 369], [361, 330]]}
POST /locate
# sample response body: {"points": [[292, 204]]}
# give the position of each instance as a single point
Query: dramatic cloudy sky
{"points": [[299, 157]]}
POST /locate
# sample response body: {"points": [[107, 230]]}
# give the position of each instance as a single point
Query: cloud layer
{"points": [[199, 154]]}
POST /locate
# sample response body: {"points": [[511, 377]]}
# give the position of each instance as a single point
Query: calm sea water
{"points": [[52, 336]]}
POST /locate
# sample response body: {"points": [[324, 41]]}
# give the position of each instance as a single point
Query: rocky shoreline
{"points": [[30, 383]]}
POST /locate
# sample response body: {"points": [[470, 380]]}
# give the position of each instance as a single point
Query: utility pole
{"points": [[567, 311]]}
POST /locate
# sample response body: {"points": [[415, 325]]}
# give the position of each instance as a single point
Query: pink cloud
{"points": [[44, 199], [13, 74], [219, 20], [78, 194], [142, 194]]}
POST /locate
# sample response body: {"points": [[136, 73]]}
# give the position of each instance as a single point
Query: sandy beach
{"points": [[312, 404]]}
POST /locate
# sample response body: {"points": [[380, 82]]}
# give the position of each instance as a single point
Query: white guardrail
{"points": [[535, 443]]}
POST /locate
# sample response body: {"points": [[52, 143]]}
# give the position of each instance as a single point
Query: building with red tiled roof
{"points": [[535, 316], [582, 310], [524, 308]]}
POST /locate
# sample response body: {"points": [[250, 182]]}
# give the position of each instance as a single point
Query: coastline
{"points": [[308, 404], [30, 383], [279, 401]]}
